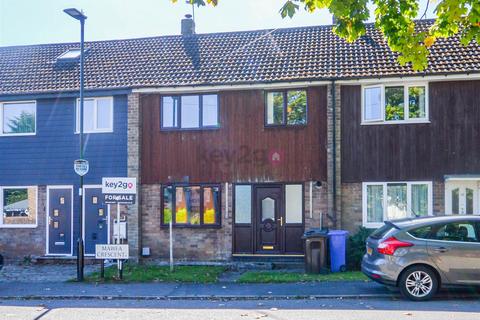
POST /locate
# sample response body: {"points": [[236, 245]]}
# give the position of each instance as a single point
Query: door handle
{"points": [[281, 221], [440, 249]]}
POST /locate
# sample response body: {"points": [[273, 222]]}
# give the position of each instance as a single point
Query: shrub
{"points": [[356, 248]]}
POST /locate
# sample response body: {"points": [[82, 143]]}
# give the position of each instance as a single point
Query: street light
{"points": [[78, 15]]}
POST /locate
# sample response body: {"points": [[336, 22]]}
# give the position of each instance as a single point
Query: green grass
{"points": [[150, 273], [282, 277]]}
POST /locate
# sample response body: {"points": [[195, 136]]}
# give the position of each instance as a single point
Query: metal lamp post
{"points": [[78, 15]]}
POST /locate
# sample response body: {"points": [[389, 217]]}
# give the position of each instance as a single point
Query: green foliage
{"points": [[394, 103], [152, 273], [14, 195], [297, 107], [356, 248], [395, 19], [286, 277], [24, 123]]}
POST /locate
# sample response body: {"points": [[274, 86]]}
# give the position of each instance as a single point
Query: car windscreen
{"points": [[382, 231]]}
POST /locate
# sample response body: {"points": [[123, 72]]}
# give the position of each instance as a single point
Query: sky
{"points": [[25, 22]]}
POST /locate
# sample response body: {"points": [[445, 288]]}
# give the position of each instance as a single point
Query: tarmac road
{"points": [[337, 309]]}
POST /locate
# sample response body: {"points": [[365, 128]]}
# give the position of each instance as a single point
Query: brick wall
{"points": [[134, 139], [18, 243], [189, 244], [334, 213], [318, 217]]}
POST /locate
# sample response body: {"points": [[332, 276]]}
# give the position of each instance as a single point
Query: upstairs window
{"points": [[394, 103], [286, 108], [190, 112], [97, 115], [18, 118], [192, 205]]}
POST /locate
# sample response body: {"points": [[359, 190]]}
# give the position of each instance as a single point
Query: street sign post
{"points": [[81, 167], [119, 190]]}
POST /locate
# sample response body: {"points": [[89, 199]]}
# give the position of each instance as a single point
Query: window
{"points": [[286, 108], [70, 54], [192, 206], [394, 103], [243, 204], [19, 207], [293, 203], [456, 231], [190, 112], [97, 115], [422, 232], [18, 118], [395, 200]]}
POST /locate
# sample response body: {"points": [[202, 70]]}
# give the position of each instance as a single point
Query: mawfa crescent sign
{"points": [[111, 251]]}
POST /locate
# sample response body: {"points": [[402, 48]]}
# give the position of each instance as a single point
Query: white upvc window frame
{"points": [[384, 184], [96, 130], [406, 86], [18, 226], [2, 122]]}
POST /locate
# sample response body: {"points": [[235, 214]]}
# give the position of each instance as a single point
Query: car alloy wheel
{"points": [[418, 283]]}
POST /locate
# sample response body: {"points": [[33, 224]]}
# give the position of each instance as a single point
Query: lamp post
{"points": [[78, 15]]}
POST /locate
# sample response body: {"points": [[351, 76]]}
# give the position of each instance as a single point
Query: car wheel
{"points": [[418, 283]]}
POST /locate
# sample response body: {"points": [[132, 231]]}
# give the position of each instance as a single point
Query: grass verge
{"points": [[150, 273], [285, 277]]}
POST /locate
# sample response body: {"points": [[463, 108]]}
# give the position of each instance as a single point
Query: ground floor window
{"points": [[395, 200], [191, 205], [19, 206]]}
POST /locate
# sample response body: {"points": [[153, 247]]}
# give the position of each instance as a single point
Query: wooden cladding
{"points": [[449, 144], [242, 149]]}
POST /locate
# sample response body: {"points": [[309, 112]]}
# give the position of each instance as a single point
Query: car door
{"points": [[455, 249]]}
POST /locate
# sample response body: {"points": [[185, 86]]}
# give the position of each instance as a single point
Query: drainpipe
{"points": [[334, 153]]}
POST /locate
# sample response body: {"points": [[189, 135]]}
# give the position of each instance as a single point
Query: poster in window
{"points": [[208, 206], [180, 206]]}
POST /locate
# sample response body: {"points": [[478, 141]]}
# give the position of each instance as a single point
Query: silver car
{"points": [[420, 255]]}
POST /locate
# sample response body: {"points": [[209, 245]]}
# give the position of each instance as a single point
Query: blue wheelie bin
{"points": [[338, 250]]}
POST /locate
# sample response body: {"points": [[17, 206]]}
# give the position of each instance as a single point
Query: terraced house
{"points": [[243, 140]]}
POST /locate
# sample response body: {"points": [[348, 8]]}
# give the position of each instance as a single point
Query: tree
{"points": [[25, 122], [396, 20]]}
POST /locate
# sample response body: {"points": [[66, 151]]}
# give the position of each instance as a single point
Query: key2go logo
{"points": [[119, 185]]}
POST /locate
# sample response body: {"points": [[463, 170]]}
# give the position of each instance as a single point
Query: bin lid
{"points": [[315, 233], [337, 232]]}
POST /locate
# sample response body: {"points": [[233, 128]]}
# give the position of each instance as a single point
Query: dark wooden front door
{"points": [[96, 219], [60, 221], [268, 217]]}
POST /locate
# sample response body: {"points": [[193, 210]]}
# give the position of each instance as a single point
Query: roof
{"points": [[262, 56]]}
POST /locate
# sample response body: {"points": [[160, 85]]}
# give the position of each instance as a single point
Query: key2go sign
{"points": [[119, 185]]}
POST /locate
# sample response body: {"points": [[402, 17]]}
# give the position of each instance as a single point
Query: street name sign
{"points": [[111, 251]]}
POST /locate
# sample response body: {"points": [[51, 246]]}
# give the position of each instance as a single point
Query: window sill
{"points": [[18, 226], [189, 129], [284, 126], [400, 122], [90, 132], [216, 226], [17, 134]]}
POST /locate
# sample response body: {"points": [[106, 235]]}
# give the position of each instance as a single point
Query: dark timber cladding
{"points": [[449, 144], [240, 149]]}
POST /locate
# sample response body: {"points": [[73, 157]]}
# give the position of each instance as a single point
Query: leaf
{"points": [[288, 9]]}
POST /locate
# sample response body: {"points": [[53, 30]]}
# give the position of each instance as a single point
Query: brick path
{"points": [[41, 273]]}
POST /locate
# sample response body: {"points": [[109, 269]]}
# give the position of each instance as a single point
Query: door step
{"points": [[247, 262]]}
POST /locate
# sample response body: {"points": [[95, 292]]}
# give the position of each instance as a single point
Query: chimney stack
{"points": [[188, 25]]}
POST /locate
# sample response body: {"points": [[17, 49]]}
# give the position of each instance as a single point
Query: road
{"points": [[337, 309]]}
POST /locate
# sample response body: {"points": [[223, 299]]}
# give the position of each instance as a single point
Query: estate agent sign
{"points": [[119, 190]]}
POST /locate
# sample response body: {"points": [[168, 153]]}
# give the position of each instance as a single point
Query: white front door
{"points": [[461, 197]]}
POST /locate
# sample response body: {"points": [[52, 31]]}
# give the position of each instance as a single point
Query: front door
{"points": [[461, 197], [96, 216], [59, 224], [269, 218]]}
